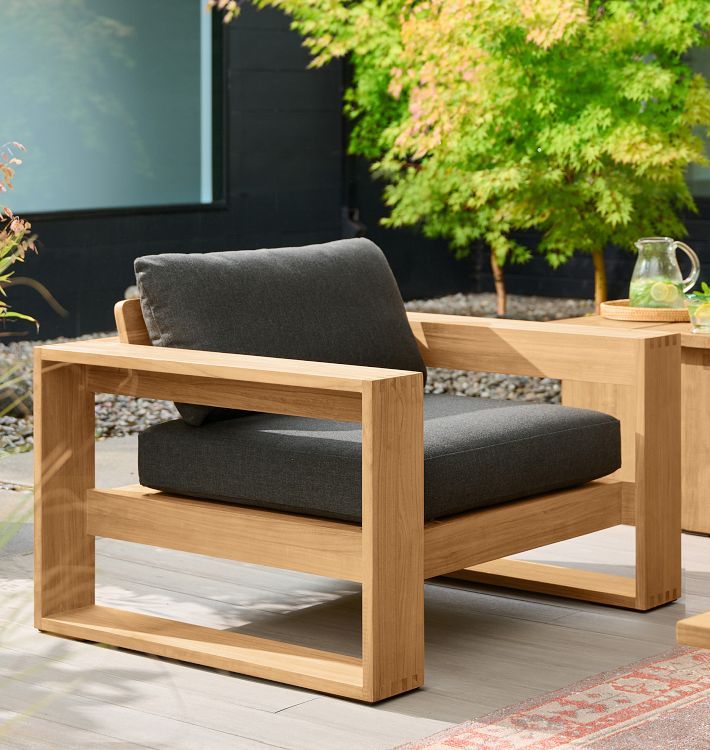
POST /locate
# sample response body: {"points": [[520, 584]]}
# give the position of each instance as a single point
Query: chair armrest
{"points": [[523, 347], [280, 386]]}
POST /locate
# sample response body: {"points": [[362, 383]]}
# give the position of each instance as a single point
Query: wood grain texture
{"points": [[392, 537], [695, 400], [284, 540], [658, 466], [694, 631], [258, 657], [64, 470], [522, 347], [235, 394], [243, 367], [687, 337], [468, 539], [572, 583], [130, 323], [695, 442]]}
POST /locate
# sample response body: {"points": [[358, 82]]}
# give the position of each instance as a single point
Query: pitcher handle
{"points": [[689, 281]]}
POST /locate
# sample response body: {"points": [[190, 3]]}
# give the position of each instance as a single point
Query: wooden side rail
{"points": [[555, 580], [334, 548], [243, 367], [234, 532], [221, 649], [525, 347]]}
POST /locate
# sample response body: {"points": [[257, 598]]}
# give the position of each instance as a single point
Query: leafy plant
{"points": [[699, 309], [575, 119], [16, 239], [703, 293]]}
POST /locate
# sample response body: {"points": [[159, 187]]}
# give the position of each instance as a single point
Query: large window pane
{"points": [[112, 99]]}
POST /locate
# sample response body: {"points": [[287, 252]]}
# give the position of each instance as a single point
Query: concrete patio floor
{"points": [[486, 648]]}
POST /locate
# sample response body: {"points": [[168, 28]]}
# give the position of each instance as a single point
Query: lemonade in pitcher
{"points": [[657, 280], [656, 292]]}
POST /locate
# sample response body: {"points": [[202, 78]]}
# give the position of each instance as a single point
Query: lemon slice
{"points": [[672, 293], [659, 291], [702, 314]]}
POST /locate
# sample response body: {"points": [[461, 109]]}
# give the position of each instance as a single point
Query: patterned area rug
{"points": [[662, 702]]}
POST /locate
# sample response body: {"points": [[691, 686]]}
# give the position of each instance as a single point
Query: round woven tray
{"points": [[619, 309]]}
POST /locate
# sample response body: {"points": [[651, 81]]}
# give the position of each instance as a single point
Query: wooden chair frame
{"points": [[393, 551]]}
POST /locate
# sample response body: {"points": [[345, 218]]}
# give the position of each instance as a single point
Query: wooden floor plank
{"points": [[212, 712], [22, 732], [192, 683], [96, 714]]}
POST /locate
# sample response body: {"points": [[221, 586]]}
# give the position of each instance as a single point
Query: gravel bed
{"points": [[117, 416]]}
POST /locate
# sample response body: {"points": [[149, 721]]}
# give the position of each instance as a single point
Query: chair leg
{"points": [[393, 538], [64, 470], [658, 479]]}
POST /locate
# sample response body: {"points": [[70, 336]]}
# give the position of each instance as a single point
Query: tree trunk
{"points": [[499, 281], [600, 289]]}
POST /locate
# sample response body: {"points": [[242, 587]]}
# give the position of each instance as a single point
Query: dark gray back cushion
{"points": [[335, 302]]}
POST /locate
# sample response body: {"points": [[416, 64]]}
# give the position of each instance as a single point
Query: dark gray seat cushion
{"points": [[336, 302], [476, 453]]}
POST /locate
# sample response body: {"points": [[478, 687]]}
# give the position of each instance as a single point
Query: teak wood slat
{"points": [[572, 583], [392, 551], [484, 535], [64, 470], [694, 631], [282, 540], [392, 537], [130, 323], [242, 367], [657, 478], [258, 657], [234, 394], [522, 347]]}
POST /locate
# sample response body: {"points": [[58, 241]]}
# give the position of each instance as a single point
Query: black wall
{"points": [[289, 182]]}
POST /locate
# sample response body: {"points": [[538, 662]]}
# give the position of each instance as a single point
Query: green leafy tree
{"points": [[573, 119]]}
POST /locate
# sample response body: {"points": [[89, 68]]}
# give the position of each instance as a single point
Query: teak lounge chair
{"points": [[288, 480]]}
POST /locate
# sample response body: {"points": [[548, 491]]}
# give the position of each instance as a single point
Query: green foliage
{"points": [[701, 295], [485, 117], [15, 237]]}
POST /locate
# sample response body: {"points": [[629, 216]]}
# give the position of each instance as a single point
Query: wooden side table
{"points": [[695, 406]]}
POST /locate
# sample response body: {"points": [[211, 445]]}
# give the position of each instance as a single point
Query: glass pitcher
{"points": [[657, 280]]}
